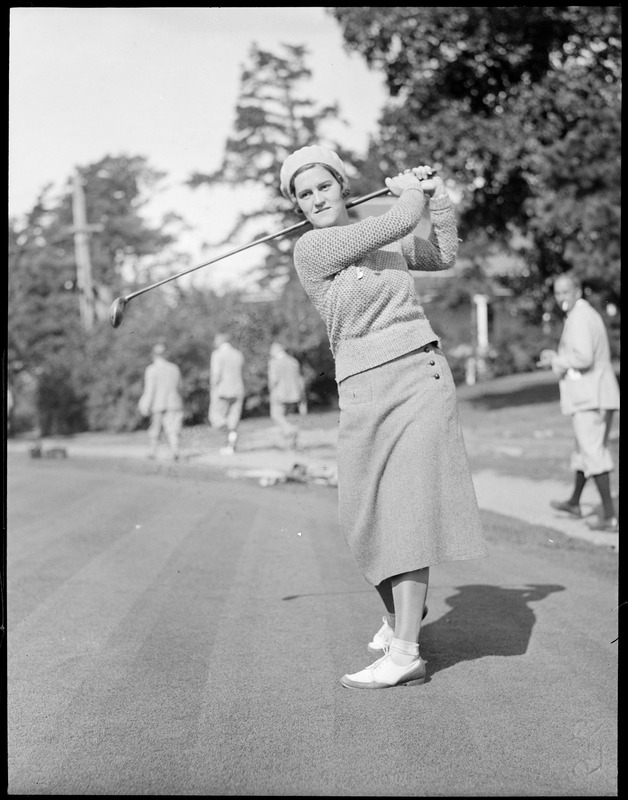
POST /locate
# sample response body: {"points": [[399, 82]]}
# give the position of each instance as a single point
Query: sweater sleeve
{"points": [[439, 251], [322, 252]]}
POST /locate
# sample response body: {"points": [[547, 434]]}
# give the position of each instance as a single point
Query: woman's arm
{"points": [[324, 251], [440, 249]]}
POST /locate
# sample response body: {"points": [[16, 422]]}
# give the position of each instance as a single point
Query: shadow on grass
{"points": [[326, 594], [522, 396], [483, 621], [518, 389]]}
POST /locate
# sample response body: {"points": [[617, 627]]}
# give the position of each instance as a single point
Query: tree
{"points": [[273, 118], [129, 250], [520, 106], [45, 336]]}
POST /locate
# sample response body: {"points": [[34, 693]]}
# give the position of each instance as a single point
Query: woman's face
{"points": [[319, 196]]}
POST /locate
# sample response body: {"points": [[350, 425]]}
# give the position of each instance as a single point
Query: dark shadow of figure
{"points": [[483, 621], [521, 396]]}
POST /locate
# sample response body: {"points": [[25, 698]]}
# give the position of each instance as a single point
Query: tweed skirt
{"points": [[405, 492]]}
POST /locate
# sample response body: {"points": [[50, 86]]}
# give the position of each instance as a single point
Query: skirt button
{"points": [[437, 376], [432, 363]]}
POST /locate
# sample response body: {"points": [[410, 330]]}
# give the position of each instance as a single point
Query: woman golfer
{"points": [[406, 498]]}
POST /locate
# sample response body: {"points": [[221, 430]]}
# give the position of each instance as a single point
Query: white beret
{"points": [[315, 154]]}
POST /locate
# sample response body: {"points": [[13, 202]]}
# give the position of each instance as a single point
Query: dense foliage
{"points": [[273, 118], [518, 107], [49, 351]]}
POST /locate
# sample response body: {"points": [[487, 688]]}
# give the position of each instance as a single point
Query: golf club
{"points": [[116, 311]]}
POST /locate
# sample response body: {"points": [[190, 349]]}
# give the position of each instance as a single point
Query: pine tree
{"points": [[273, 118]]}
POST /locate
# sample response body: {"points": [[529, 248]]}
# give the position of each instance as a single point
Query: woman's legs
{"points": [[382, 639], [409, 591], [384, 589], [401, 664]]}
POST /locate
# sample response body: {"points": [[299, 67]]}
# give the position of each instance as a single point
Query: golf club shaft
{"points": [[297, 226]]}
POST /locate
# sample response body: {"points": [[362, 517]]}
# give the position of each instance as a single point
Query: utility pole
{"points": [[81, 231]]}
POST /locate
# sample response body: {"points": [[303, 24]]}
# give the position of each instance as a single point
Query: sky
{"points": [[163, 83]]}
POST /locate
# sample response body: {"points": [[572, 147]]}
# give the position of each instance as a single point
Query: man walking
{"points": [[161, 401], [589, 394], [226, 390], [287, 393]]}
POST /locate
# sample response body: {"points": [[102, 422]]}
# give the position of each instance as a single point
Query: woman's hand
{"points": [[432, 185], [405, 180]]}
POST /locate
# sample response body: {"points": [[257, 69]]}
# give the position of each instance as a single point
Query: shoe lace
{"points": [[381, 658], [374, 666]]}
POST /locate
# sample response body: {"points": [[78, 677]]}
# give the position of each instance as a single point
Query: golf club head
{"points": [[116, 312]]}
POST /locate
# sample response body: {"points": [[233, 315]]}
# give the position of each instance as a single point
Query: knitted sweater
{"points": [[358, 278]]}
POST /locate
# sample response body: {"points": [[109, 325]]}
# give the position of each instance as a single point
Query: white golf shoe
{"points": [[384, 673]]}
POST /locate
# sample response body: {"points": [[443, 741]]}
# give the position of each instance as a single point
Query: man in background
{"points": [[161, 400], [589, 394], [287, 393], [226, 389]]}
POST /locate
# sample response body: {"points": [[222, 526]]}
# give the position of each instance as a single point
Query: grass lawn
{"points": [[512, 425]]}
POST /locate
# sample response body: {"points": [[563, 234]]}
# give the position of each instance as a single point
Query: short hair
{"points": [[345, 189], [572, 277]]}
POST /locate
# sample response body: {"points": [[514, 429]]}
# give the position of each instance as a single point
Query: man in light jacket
{"points": [[226, 389], [589, 394], [286, 388], [161, 401]]}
